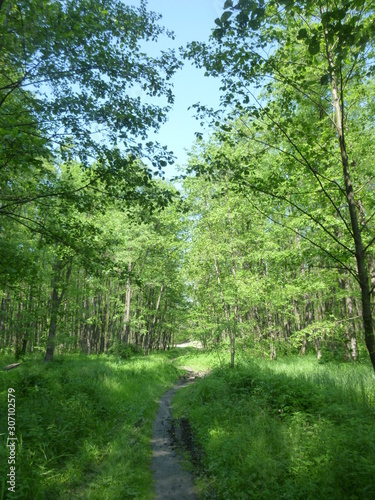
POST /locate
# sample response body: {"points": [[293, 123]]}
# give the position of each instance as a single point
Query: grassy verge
{"points": [[83, 425], [288, 429], [197, 360]]}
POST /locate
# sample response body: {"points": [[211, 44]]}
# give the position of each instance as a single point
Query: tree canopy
{"points": [[271, 246], [299, 135]]}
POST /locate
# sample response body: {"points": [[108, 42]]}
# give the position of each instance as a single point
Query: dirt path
{"points": [[171, 480]]}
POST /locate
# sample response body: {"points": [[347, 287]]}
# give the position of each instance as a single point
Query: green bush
{"points": [[123, 351]]}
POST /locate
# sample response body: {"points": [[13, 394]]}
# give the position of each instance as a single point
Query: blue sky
{"points": [[190, 20]]}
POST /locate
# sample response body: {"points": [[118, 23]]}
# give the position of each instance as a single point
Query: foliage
{"points": [[276, 292], [293, 147], [82, 60], [270, 251], [78, 95]]}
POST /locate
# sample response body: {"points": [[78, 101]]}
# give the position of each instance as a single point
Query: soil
{"points": [[183, 438], [172, 481]]}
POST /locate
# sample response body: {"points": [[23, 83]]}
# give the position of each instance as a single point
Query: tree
{"points": [[76, 83], [278, 291], [310, 58], [81, 59], [78, 95]]}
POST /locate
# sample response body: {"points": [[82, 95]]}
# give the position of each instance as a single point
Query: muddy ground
{"points": [[172, 481]]}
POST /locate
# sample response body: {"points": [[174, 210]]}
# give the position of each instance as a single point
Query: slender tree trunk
{"points": [[126, 325], [154, 320], [363, 275], [271, 326], [225, 307], [226, 313], [55, 304], [233, 333], [350, 326], [53, 321]]}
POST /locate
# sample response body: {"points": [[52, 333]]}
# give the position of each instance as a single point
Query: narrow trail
{"points": [[171, 480]]}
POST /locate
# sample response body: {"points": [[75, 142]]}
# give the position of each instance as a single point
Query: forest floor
{"points": [[292, 428]]}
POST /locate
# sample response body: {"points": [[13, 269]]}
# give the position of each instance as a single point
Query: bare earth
{"points": [[193, 343], [171, 480]]}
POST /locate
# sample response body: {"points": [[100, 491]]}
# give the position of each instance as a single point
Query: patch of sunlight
{"points": [[114, 384], [92, 451], [217, 432]]}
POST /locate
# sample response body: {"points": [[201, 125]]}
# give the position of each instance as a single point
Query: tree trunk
{"points": [[126, 326], [363, 275], [153, 324], [54, 311], [232, 334], [225, 308], [55, 304]]}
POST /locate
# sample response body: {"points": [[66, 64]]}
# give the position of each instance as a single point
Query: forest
{"points": [[262, 248]]}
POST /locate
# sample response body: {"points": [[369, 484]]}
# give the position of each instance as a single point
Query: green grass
{"points": [[197, 360], [287, 429], [83, 425]]}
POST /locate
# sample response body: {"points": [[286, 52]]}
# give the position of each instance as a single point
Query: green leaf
{"points": [[314, 45], [302, 34], [226, 15], [324, 79]]}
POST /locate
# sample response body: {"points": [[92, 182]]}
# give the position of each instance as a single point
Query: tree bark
{"points": [[126, 326], [55, 304], [154, 320], [53, 321], [232, 335], [363, 275], [225, 307]]}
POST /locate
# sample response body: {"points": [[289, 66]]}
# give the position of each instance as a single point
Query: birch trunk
{"points": [[154, 320]]}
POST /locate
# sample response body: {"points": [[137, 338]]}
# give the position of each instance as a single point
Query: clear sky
{"points": [[190, 20]]}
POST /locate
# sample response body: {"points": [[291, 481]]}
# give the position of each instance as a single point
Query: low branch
{"points": [[13, 365], [311, 217], [353, 273]]}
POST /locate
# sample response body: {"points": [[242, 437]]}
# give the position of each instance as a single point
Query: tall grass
{"points": [[287, 429], [83, 426]]}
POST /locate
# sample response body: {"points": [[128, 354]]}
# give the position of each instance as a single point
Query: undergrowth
{"points": [[288, 429], [83, 425]]}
